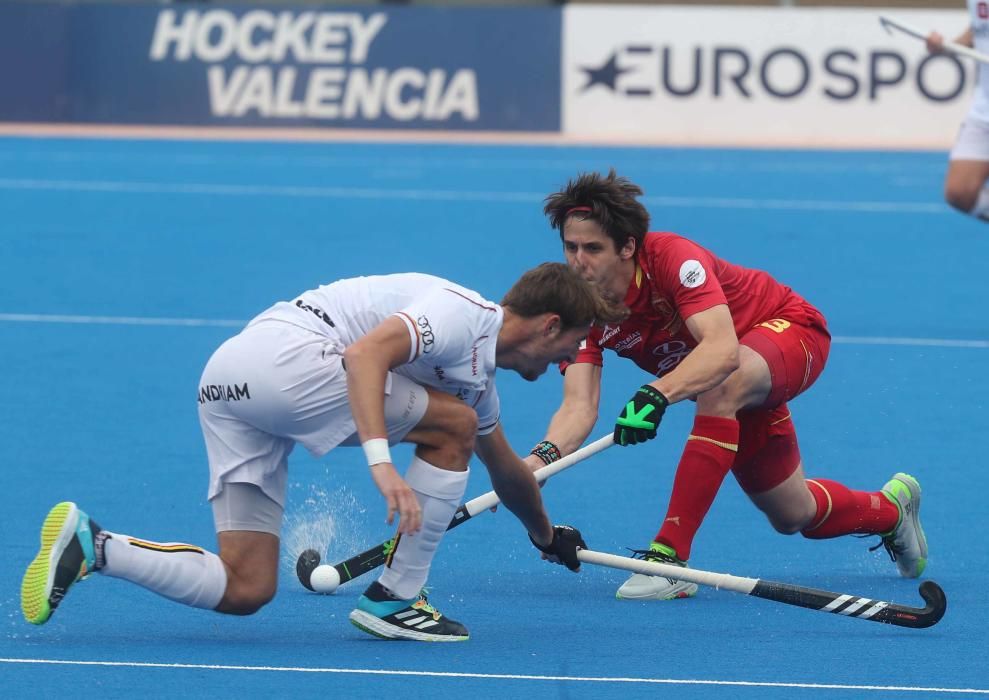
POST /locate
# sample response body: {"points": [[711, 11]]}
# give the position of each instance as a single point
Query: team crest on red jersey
{"points": [[669, 316]]}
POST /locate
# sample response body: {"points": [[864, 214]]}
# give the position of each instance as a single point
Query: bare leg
{"points": [[790, 506], [964, 187], [251, 562]]}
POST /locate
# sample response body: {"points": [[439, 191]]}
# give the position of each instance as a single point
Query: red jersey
{"points": [[674, 279]]}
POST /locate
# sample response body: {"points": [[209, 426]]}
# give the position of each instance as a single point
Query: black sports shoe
{"points": [[382, 615]]}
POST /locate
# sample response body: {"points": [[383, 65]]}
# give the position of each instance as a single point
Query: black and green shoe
{"points": [[382, 615]]}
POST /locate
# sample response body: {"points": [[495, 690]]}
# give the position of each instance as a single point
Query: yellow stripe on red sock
{"points": [[820, 503], [730, 446]]}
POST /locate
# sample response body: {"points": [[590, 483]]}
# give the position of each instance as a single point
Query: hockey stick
{"points": [[949, 46], [308, 561], [837, 603]]}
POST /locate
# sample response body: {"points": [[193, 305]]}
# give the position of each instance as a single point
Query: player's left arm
{"points": [[708, 364], [704, 367], [514, 483], [517, 488]]}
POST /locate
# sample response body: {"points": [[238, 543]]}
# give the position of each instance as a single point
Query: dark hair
{"points": [[612, 202], [556, 288]]}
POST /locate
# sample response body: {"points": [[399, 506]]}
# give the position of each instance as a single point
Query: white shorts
{"points": [[972, 142], [274, 385], [245, 507]]}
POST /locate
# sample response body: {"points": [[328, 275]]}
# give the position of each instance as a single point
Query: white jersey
{"points": [[978, 13], [453, 330]]}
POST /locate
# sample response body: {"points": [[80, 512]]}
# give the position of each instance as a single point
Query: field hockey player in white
{"points": [[968, 164], [367, 362]]}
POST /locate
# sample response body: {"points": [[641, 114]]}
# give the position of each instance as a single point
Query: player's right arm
{"points": [[367, 362], [578, 411]]}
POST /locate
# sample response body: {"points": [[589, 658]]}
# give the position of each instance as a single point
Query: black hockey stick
{"points": [[812, 598], [371, 559]]}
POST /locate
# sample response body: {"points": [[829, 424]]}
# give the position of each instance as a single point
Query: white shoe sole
{"points": [[920, 564], [643, 587], [379, 628]]}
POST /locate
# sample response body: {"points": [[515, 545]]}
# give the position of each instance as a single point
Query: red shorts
{"points": [[796, 353]]}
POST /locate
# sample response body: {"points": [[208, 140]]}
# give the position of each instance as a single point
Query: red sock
{"points": [[841, 511], [707, 458]]}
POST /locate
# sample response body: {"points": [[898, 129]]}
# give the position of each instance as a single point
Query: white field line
{"points": [[843, 140], [913, 342], [376, 193], [233, 323], [497, 676], [118, 320], [920, 173]]}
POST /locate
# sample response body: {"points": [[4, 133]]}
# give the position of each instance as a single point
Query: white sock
{"points": [[439, 492], [981, 208], [181, 572]]}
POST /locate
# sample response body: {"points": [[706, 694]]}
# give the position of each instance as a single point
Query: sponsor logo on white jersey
{"points": [[427, 334]]}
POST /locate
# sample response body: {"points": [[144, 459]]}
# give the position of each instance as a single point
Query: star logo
{"points": [[606, 75]]}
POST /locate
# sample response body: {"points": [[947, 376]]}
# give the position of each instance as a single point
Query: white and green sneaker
{"points": [[643, 587], [906, 543], [67, 555]]}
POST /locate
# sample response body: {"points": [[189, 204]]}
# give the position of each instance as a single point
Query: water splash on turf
{"points": [[330, 521]]}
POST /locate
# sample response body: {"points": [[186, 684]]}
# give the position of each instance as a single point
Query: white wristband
{"points": [[376, 451]]}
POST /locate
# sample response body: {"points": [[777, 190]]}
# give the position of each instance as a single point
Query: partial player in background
{"points": [[732, 339], [369, 361], [968, 164]]}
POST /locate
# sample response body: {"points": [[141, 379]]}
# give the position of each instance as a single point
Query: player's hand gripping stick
{"points": [[563, 548], [640, 418]]}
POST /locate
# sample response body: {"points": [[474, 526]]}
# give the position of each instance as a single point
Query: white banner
{"points": [[761, 76]]}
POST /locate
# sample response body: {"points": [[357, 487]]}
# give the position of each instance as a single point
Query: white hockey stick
{"points": [[890, 24], [824, 601]]}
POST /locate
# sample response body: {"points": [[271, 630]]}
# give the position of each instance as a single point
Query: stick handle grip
{"points": [[727, 582]]}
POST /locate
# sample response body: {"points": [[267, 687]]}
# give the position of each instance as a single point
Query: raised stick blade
{"points": [[305, 565], [927, 616], [890, 24]]}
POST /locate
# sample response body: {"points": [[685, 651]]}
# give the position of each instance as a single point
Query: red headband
{"points": [[579, 209]]}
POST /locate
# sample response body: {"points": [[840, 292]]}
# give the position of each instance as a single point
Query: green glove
{"points": [[640, 418]]}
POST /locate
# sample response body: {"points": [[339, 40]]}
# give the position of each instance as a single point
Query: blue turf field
{"points": [[125, 263]]}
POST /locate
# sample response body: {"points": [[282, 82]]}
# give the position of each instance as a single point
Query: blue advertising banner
{"points": [[206, 64]]}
